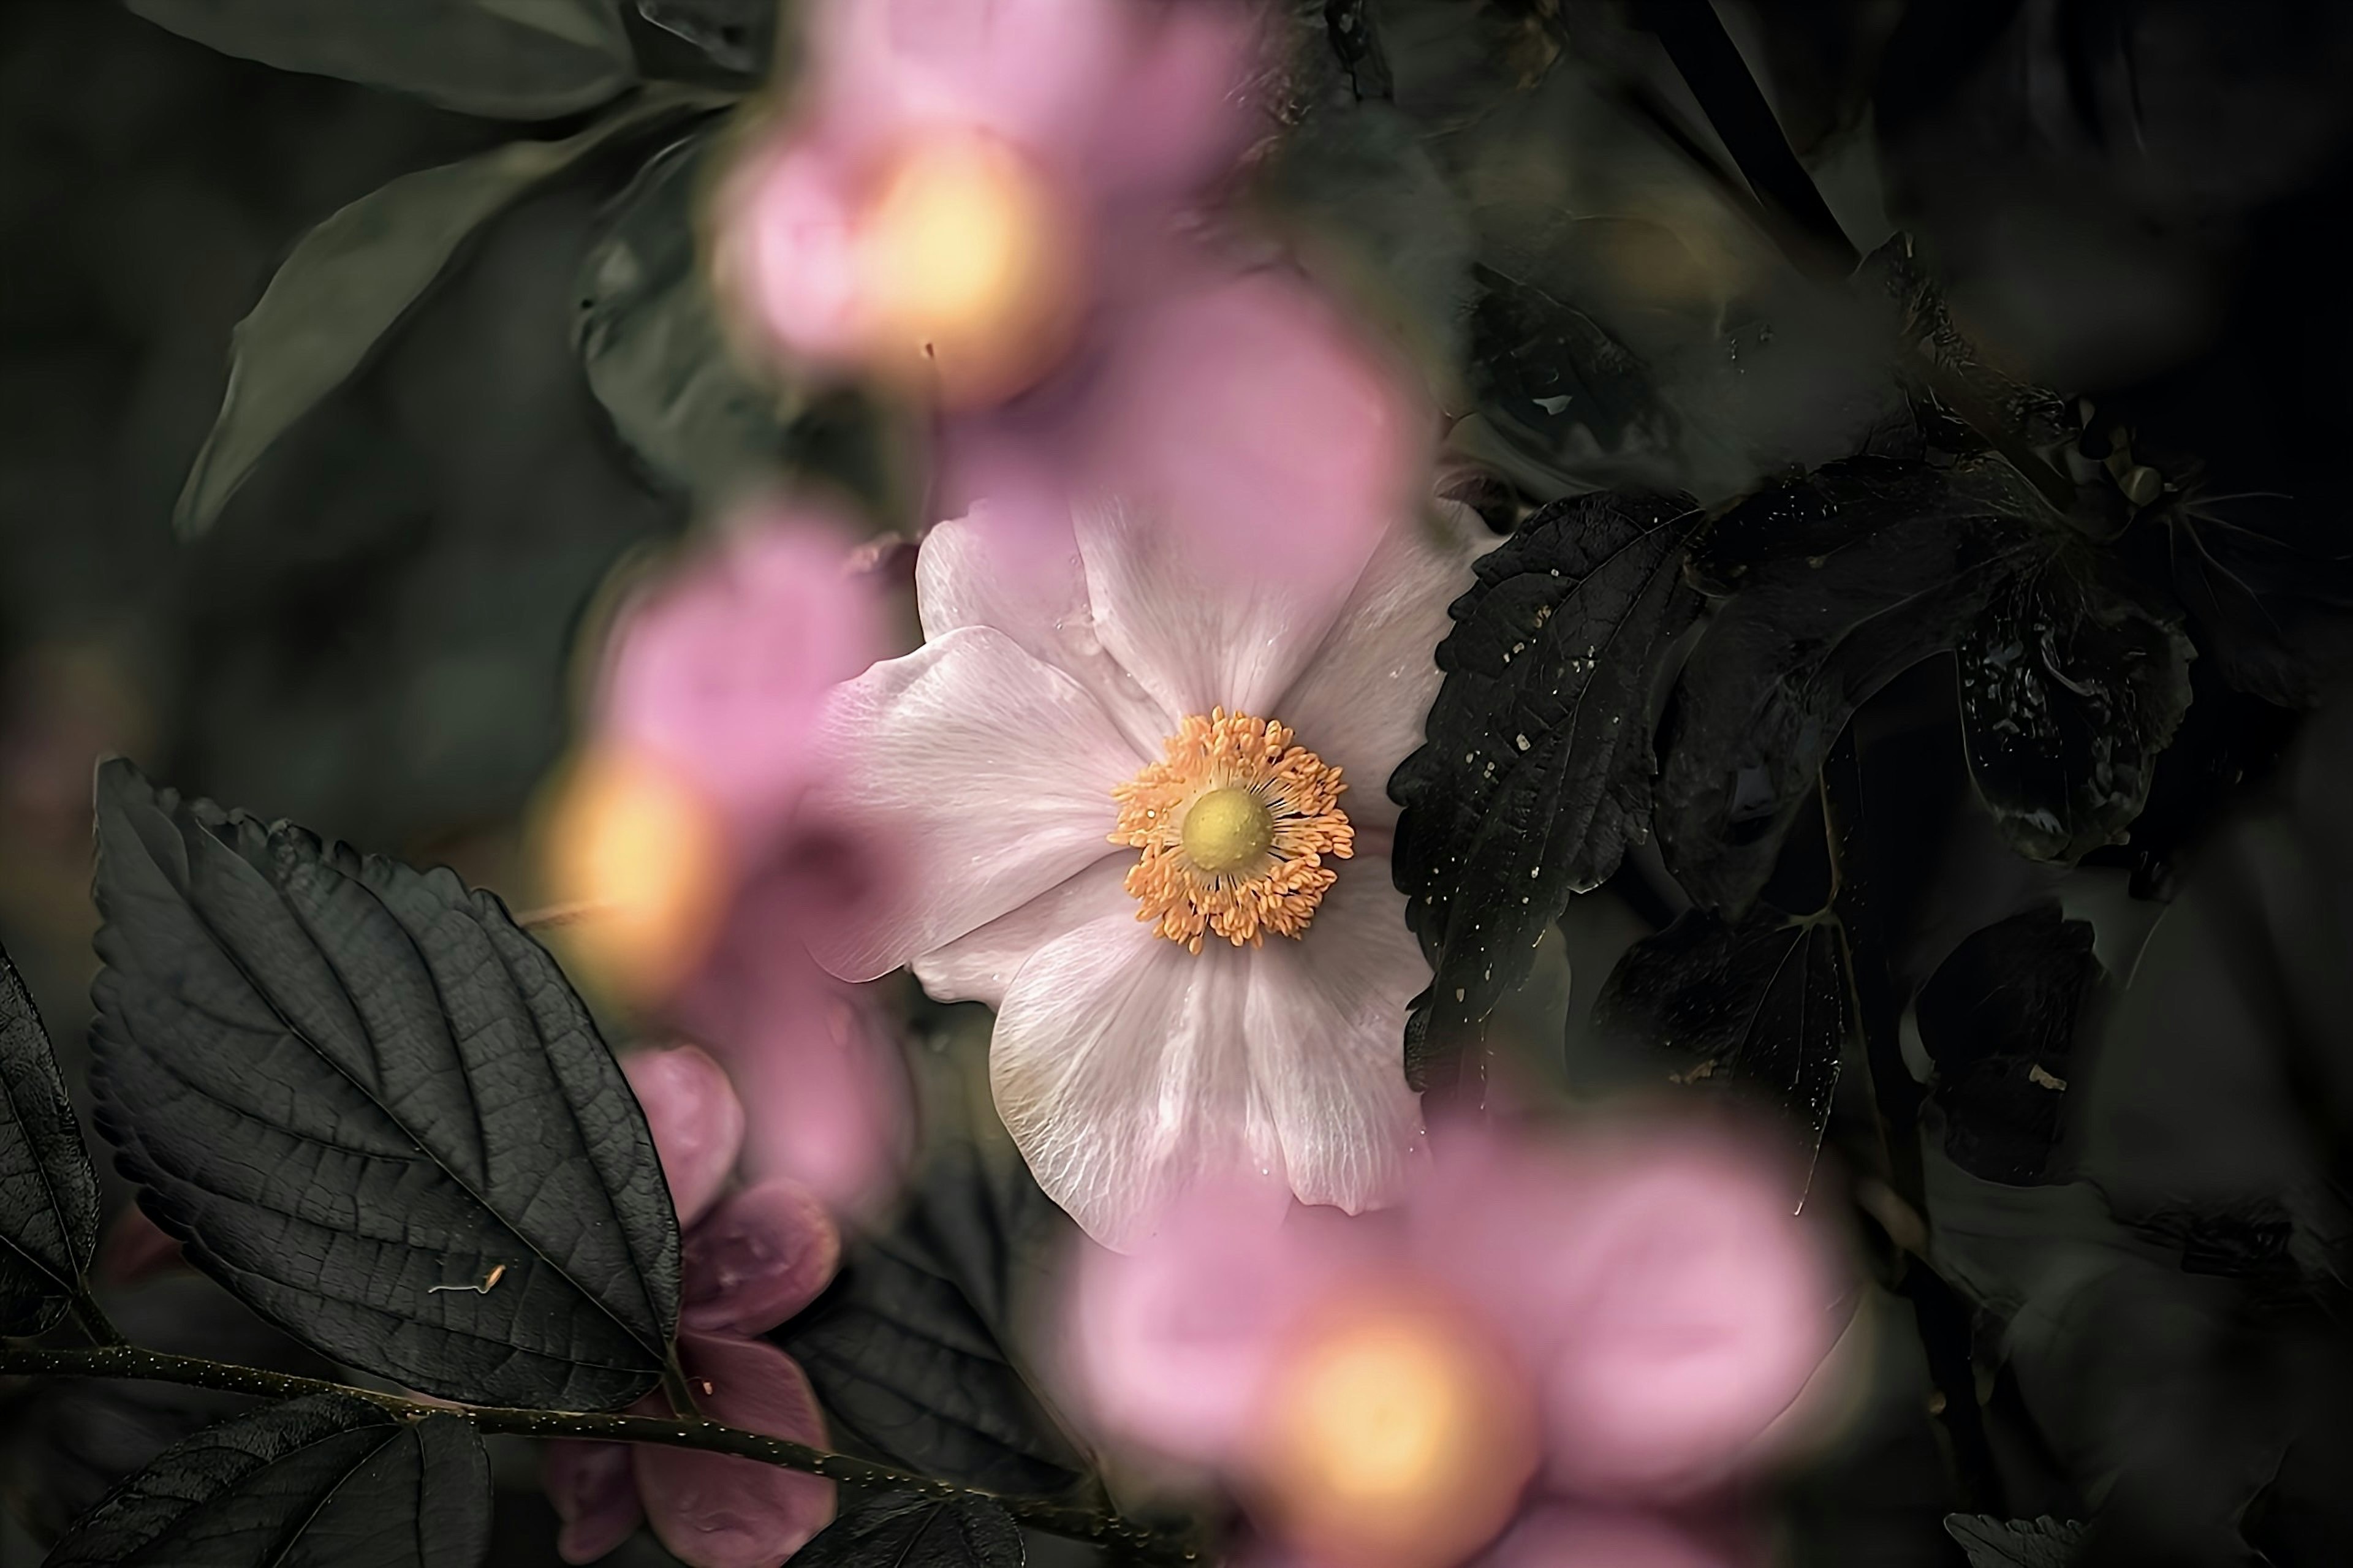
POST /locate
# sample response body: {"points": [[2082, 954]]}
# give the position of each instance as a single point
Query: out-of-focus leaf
{"points": [[324, 1481], [649, 337], [513, 59], [1537, 770], [1998, 1018], [48, 1193], [739, 35], [354, 1091], [2070, 687], [2271, 588], [1566, 396], [2045, 1542], [1835, 583], [907, 1349], [349, 279], [899, 1530], [1756, 1009]]}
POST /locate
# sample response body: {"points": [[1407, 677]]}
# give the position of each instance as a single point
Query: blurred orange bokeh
{"points": [[634, 858]]}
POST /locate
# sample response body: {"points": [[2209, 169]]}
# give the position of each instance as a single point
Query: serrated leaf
{"points": [[650, 338], [900, 1530], [512, 60], [48, 1193], [2044, 1542], [1537, 770], [344, 1083], [1998, 1018], [907, 1351], [324, 1481], [1834, 584], [2070, 687], [352, 278], [1757, 1009]]}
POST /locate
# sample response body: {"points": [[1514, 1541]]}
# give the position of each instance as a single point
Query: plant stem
{"points": [[1055, 1518], [92, 1318]]}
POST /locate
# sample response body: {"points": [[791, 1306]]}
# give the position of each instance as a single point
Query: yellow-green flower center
{"points": [[1226, 830]]}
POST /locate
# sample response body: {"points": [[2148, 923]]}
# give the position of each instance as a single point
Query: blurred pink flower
{"points": [[944, 201], [753, 1257], [1626, 1318], [1231, 998]]}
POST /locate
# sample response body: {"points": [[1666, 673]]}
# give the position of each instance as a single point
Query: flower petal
{"points": [[1361, 702], [984, 774], [1121, 1068], [696, 1120], [980, 966], [713, 1510], [1554, 1535], [1326, 1028], [594, 1491], [757, 1259]]}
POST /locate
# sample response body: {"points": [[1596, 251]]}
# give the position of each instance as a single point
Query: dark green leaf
{"points": [[1757, 1009], [1537, 771], [514, 59], [899, 1530], [907, 1349], [1998, 1018], [1991, 1542], [349, 279], [324, 1482], [1568, 399], [739, 35], [2070, 688], [1836, 582], [345, 1083], [2270, 585], [649, 337], [48, 1193]]}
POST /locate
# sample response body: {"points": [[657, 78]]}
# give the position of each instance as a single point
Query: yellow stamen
{"points": [[1234, 821]]}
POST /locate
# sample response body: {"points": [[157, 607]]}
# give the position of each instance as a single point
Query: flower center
{"points": [[1234, 821]]}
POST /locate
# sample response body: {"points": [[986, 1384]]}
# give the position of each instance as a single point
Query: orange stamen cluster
{"points": [[1253, 861]]}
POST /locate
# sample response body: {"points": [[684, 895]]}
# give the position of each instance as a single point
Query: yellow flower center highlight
{"points": [[968, 260], [1234, 821], [1394, 1436], [643, 857]]}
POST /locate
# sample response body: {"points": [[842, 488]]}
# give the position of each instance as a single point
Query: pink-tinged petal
{"points": [[979, 966], [697, 1122], [1012, 563], [1362, 701], [723, 670], [712, 1511], [1170, 1345], [1326, 1027], [1029, 70], [786, 249], [593, 1490], [1700, 1305], [757, 1259], [984, 776], [1175, 118], [1122, 1068], [1558, 1535]]}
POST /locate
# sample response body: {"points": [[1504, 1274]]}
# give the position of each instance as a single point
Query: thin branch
{"points": [[708, 1436], [92, 1318]]}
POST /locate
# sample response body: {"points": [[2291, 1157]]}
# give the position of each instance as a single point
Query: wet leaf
{"points": [[2045, 1542], [354, 1091], [324, 1482], [1536, 774], [512, 60], [899, 1530], [1757, 1009], [48, 1193]]}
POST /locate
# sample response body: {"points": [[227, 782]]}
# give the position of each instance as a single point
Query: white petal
{"points": [[978, 778], [1120, 1068], [1012, 563], [979, 966], [1198, 631], [1362, 700], [1326, 1023]]}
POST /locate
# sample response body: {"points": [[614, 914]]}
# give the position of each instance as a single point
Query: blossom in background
{"points": [[1550, 1353], [753, 1257], [962, 182], [1132, 791], [684, 837]]}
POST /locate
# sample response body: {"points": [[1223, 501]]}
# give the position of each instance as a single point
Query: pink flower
{"points": [[946, 202], [1130, 794], [753, 1257], [1588, 1340]]}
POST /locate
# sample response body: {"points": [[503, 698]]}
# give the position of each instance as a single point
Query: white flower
{"points": [[1136, 801]]}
